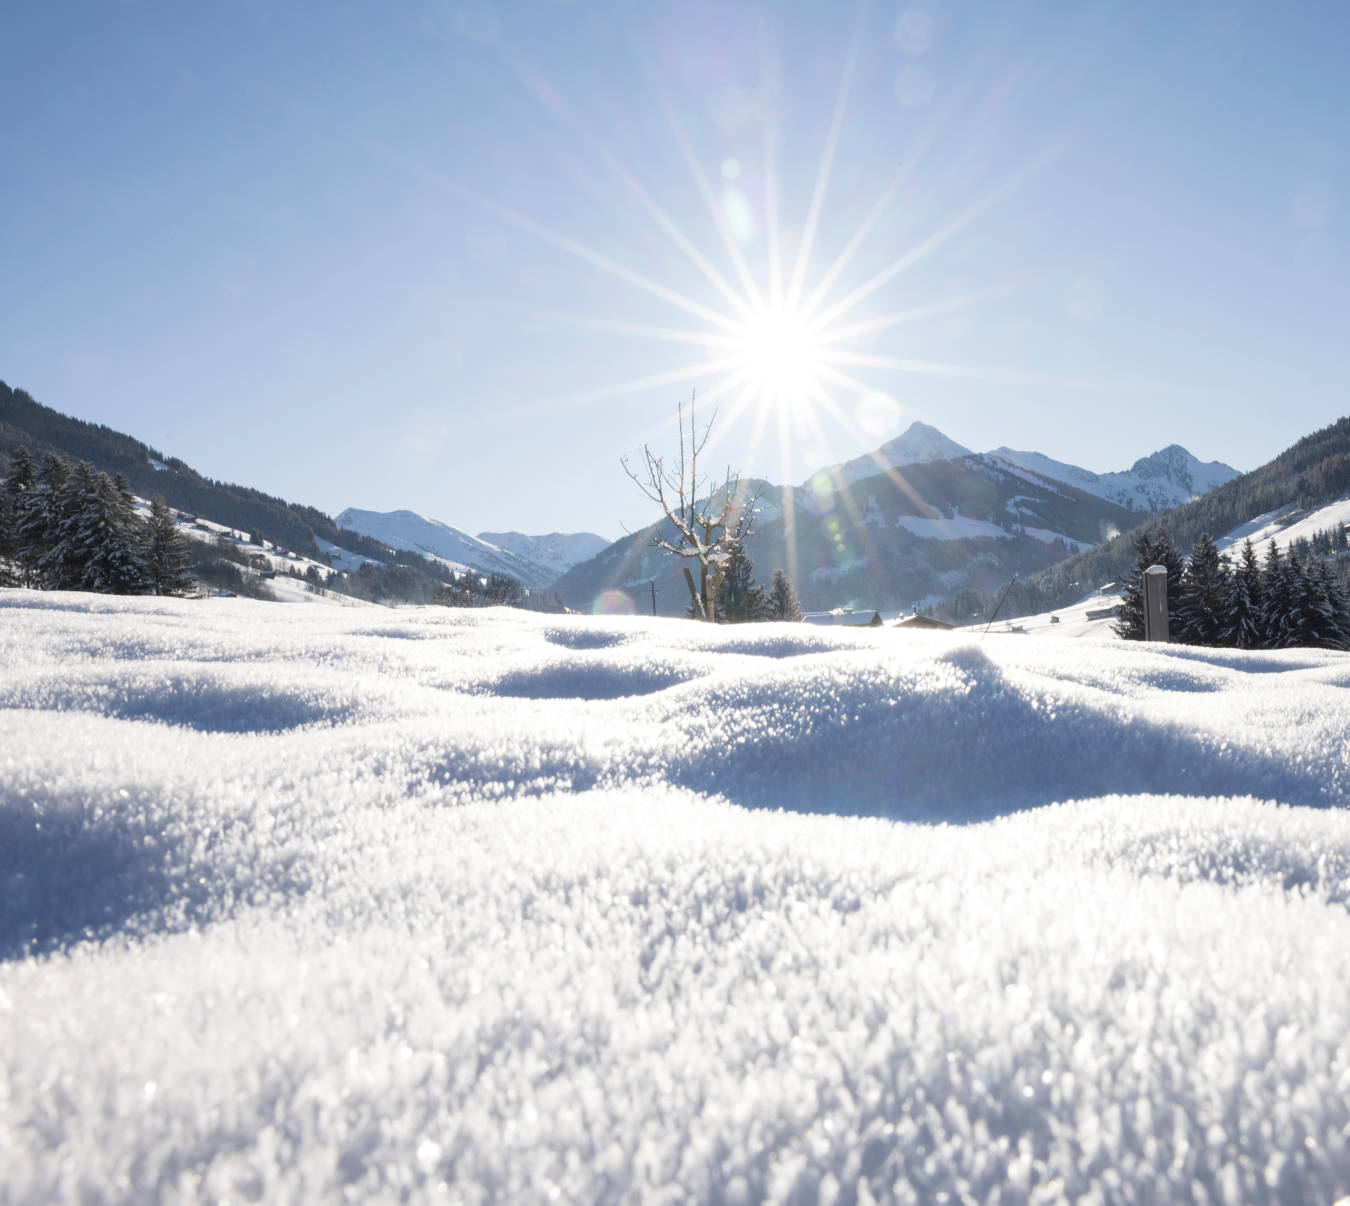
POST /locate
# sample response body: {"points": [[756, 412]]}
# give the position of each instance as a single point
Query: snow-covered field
{"points": [[309, 904]]}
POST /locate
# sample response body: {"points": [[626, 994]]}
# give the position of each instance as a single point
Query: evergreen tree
{"points": [[1339, 599], [21, 481], [99, 537], [41, 517], [1200, 608], [1240, 618], [783, 599], [1153, 546], [1277, 601], [167, 557], [9, 541], [1322, 625], [739, 598], [1301, 624]]}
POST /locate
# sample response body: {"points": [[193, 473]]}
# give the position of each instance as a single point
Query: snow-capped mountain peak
{"points": [[532, 560], [1154, 483], [918, 444], [557, 551]]}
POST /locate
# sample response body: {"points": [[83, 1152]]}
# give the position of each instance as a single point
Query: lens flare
{"points": [[613, 603]]}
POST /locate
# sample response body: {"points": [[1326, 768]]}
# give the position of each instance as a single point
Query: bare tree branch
{"points": [[704, 533]]}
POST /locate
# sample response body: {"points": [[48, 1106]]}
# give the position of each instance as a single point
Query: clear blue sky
{"points": [[378, 255]]}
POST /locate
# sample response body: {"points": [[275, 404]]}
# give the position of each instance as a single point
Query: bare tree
{"points": [[705, 528]]}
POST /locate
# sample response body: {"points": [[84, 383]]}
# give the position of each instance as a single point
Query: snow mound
{"points": [[328, 905]]}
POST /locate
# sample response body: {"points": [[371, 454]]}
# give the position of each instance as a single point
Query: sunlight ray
{"points": [[542, 88], [761, 421], [594, 258], [845, 257], [672, 377], [841, 488], [933, 368], [621, 326], [885, 321], [897, 478], [772, 229], [752, 291], [826, 164], [669, 423], [955, 226], [721, 432]]}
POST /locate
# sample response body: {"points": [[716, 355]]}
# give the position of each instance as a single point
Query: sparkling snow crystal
{"points": [[304, 904]]}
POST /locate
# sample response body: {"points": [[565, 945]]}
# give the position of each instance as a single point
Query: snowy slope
{"points": [[430, 537], [916, 445], [554, 554], [289, 568], [458, 549], [1284, 526], [1288, 524], [334, 906], [1153, 484]]}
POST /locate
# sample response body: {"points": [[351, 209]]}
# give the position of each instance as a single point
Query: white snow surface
{"points": [[312, 905]]}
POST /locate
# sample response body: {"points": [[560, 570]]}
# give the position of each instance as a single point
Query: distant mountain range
{"points": [[1285, 495], [1151, 485], [411, 540], [917, 520], [536, 561]]}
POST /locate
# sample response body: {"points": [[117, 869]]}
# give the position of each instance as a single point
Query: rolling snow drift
{"points": [[303, 904]]}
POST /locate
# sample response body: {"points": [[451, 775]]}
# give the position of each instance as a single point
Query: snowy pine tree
{"points": [[1154, 547], [100, 540], [1240, 610], [18, 486], [40, 522], [1329, 581], [167, 557], [9, 541], [1321, 618], [1277, 601], [1199, 609], [78, 531], [740, 599], [783, 599]]}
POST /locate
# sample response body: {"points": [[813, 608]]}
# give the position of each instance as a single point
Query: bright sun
{"points": [[779, 352]]}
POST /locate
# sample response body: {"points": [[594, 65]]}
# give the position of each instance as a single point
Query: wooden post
{"points": [[1155, 603], [653, 585]]}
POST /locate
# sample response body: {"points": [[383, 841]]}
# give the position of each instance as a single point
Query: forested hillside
{"points": [[26, 423], [1312, 472]]}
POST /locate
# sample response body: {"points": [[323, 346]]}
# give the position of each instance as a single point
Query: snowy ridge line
{"points": [[1286, 525], [326, 905]]}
